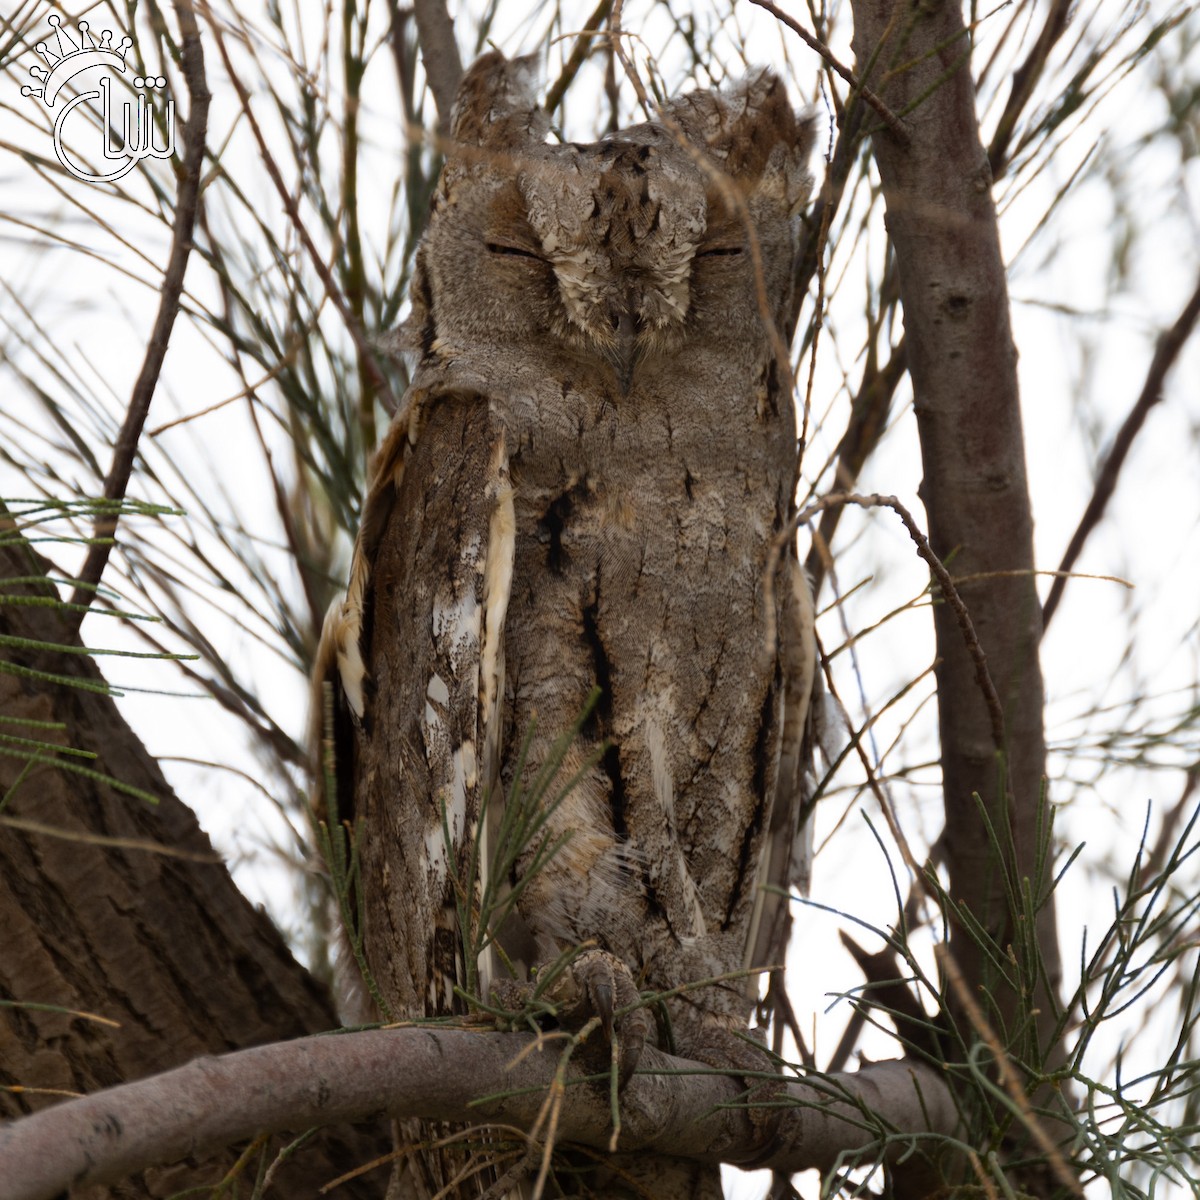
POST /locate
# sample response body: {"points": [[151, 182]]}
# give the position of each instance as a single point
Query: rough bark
{"points": [[942, 222], [435, 1072], [164, 946]]}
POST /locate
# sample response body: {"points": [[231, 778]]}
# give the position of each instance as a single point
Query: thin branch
{"points": [[371, 368], [893, 122], [434, 1072], [1024, 81], [945, 584], [869, 411], [1173, 818], [1007, 1075], [1169, 347], [187, 196], [579, 53], [439, 55], [891, 994]]}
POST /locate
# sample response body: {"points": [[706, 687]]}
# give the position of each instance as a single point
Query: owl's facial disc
{"points": [[619, 222]]}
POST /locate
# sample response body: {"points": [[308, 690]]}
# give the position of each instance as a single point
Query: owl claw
{"points": [[602, 999], [596, 985], [604, 987]]}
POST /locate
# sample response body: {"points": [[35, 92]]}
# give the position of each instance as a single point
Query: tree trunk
{"points": [[942, 223], [161, 945]]}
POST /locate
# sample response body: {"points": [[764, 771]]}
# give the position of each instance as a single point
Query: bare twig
{"points": [[1165, 354], [893, 122], [436, 1073], [869, 411], [187, 196], [945, 584], [98, 839], [439, 55]]}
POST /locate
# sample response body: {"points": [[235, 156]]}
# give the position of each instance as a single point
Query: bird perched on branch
{"points": [[579, 524]]}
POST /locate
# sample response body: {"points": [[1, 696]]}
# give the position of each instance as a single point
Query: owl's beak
{"points": [[627, 328]]}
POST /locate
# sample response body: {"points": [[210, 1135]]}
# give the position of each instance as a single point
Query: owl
{"points": [[574, 610]]}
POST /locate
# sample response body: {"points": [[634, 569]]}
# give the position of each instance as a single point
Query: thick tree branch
{"points": [[435, 1073], [942, 221]]}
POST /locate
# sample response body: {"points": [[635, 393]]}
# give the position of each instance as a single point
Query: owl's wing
{"points": [[787, 853], [413, 659]]}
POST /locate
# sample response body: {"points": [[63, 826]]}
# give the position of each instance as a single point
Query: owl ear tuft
{"points": [[497, 104], [754, 134]]}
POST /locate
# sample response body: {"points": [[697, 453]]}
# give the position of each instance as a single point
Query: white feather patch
{"points": [[497, 587]]}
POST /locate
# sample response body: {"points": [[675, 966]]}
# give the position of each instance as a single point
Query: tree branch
{"points": [[439, 55], [186, 200], [579, 53], [434, 1073], [1169, 347], [1024, 82], [869, 412], [941, 218]]}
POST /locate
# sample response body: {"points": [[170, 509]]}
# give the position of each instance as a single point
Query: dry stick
{"points": [[893, 122], [868, 413], [439, 55], [186, 199], [366, 355], [1169, 347], [818, 323], [141, 845]]}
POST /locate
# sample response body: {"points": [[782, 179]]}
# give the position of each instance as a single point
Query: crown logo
{"points": [[74, 54]]}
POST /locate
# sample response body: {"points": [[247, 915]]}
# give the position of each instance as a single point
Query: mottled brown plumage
{"points": [[582, 490]]}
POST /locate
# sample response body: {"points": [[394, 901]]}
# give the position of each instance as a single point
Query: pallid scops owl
{"points": [[584, 489]]}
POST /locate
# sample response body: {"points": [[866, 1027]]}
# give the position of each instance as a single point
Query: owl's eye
{"points": [[515, 251], [720, 252]]}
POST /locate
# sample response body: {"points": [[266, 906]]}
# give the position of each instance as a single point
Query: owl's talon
{"points": [[604, 985], [602, 998]]}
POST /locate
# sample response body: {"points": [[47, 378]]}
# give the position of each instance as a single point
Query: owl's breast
{"points": [[643, 534]]}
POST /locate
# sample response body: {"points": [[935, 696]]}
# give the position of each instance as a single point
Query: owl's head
{"points": [[629, 251]]}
